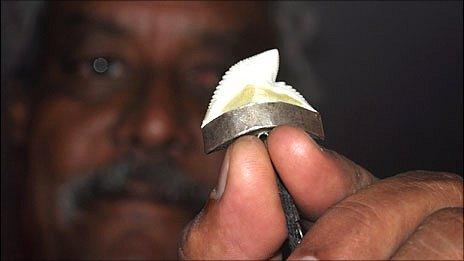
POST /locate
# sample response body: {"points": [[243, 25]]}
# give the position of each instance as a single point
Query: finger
{"points": [[246, 220], [315, 177], [439, 237], [372, 223]]}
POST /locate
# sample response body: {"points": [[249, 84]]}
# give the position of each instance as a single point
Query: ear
{"points": [[17, 113]]}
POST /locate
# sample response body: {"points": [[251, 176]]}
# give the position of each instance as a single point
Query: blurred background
{"points": [[386, 77]]}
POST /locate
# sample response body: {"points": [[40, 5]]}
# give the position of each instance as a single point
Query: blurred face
{"points": [[116, 161]]}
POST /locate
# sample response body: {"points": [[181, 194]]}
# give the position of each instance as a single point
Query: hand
{"points": [[415, 215]]}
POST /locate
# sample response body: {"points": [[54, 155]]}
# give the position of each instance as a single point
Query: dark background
{"points": [[390, 79]]}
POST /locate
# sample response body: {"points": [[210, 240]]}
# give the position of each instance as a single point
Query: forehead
{"points": [[166, 24], [148, 17]]}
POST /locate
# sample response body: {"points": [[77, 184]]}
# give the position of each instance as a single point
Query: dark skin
{"points": [[165, 61]]}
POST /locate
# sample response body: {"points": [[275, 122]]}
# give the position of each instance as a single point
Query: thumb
{"points": [[243, 218]]}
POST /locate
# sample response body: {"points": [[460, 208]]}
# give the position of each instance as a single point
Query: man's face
{"points": [[116, 161]]}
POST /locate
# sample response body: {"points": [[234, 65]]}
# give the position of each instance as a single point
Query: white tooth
{"points": [[251, 81]]}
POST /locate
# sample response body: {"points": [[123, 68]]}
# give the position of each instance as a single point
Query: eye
{"points": [[100, 65], [94, 78], [108, 67], [200, 81], [95, 67], [205, 76]]}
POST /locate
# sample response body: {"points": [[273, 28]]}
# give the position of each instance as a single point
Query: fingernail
{"points": [[222, 180], [313, 143], [311, 139], [309, 258]]}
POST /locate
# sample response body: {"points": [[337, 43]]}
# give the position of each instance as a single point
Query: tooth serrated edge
{"points": [[235, 72]]}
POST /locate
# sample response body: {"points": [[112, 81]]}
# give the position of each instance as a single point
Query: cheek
{"points": [[70, 137], [201, 166]]}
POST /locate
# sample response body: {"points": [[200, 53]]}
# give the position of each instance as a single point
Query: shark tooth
{"points": [[252, 81]]}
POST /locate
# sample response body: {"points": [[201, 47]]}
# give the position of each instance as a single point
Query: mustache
{"points": [[165, 181]]}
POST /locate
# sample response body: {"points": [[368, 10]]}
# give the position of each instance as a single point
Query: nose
{"points": [[150, 122]]}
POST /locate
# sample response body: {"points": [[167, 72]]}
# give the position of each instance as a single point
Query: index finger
{"points": [[316, 178]]}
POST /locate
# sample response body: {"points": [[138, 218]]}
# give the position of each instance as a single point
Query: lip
{"points": [[132, 228], [134, 244], [124, 179]]}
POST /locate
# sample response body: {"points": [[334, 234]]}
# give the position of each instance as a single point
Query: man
{"points": [[115, 162], [116, 167]]}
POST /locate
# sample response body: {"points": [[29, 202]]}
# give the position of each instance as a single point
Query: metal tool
{"points": [[258, 105]]}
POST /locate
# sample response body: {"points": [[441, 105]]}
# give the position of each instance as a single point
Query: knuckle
{"points": [[444, 184], [433, 176], [447, 216], [363, 213], [438, 237]]}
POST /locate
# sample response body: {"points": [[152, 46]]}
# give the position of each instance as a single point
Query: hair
{"points": [[25, 45]]}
